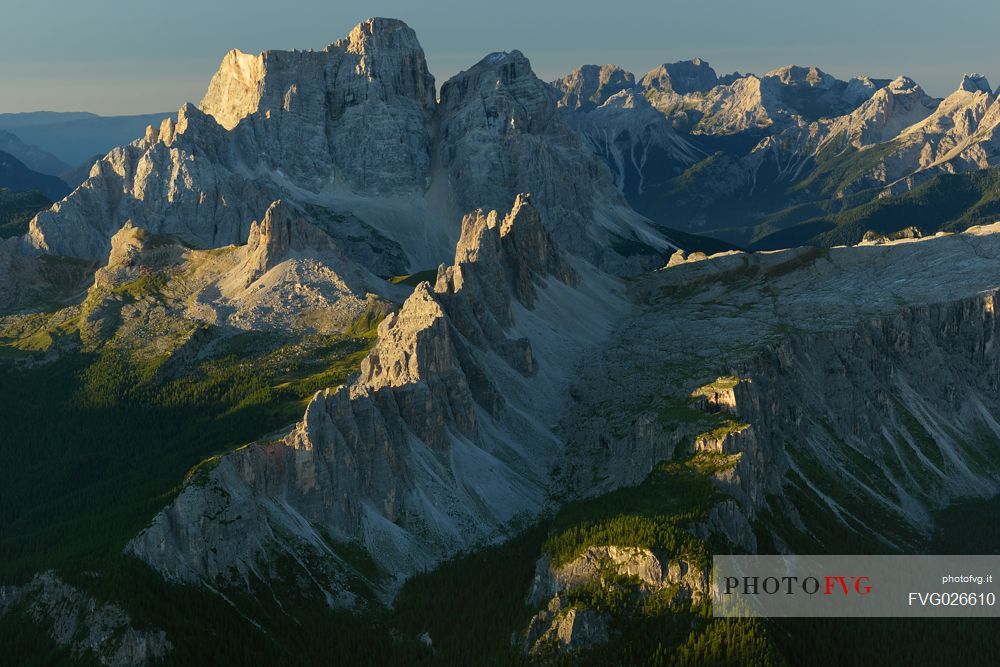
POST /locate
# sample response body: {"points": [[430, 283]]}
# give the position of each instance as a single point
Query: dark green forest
{"points": [[949, 202], [17, 209], [95, 444]]}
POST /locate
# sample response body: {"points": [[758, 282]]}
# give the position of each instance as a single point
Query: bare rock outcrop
{"points": [[431, 448], [838, 418], [564, 626], [590, 86], [682, 78], [911, 394], [564, 630], [77, 620], [652, 571], [269, 126], [353, 136], [289, 276], [502, 131], [282, 232]]}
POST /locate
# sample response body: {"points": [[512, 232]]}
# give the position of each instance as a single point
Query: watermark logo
{"points": [[887, 586], [789, 585]]}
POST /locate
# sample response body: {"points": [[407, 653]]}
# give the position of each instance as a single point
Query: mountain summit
{"points": [[380, 61], [355, 131]]}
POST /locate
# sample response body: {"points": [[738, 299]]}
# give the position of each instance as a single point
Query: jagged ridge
{"points": [[430, 449], [322, 130]]}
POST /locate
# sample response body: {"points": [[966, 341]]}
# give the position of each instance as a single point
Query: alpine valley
{"points": [[343, 366]]}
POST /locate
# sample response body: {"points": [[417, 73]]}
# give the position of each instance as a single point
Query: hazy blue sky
{"points": [[131, 56]]}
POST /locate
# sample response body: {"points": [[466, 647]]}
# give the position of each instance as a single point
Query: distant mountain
{"points": [[33, 156], [674, 138], [14, 175], [684, 78], [590, 86], [691, 94], [795, 156], [74, 138], [871, 162], [346, 157], [12, 121], [637, 142]]}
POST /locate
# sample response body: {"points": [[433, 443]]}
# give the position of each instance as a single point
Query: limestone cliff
{"points": [[354, 136], [437, 444], [834, 416], [89, 627], [501, 131], [876, 410], [893, 418], [590, 86]]}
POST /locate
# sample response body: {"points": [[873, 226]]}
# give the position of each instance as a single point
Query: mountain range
{"points": [[339, 362], [778, 160], [15, 175]]}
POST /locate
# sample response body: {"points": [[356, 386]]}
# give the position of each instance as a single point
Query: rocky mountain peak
{"points": [[903, 83], [503, 133], [975, 83], [683, 77], [591, 86], [392, 457], [379, 33], [126, 245], [136, 252], [281, 231], [240, 77], [359, 118], [391, 53], [529, 250], [234, 91], [626, 99], [797, 74], [273, 235], [500, 67], [380, 59], [880, 116], [505, 89], [413, 345], [515, 251]]}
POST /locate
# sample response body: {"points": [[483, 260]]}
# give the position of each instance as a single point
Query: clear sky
{"points": [[134, 56]]}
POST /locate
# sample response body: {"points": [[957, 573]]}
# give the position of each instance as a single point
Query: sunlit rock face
{"points": [[590, 86], [501, 131], [355, 116], [438, 444], [357, 111], [683, 78], [916, 136], [356, 130]]}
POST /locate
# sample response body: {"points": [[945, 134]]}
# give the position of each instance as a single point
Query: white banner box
{"points": [[856, 586]]}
